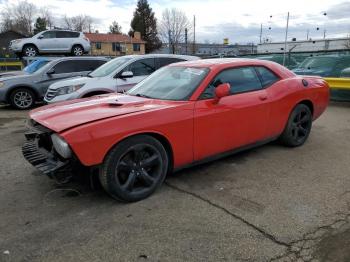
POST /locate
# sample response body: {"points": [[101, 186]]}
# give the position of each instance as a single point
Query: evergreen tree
{"points": [[115, 28], [40, 25], [145, 23]]}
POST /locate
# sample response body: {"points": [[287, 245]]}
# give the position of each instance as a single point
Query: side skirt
{"points": [[225, 154]]}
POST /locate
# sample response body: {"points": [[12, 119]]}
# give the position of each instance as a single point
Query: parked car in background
{"points": [[345, 72], [325, 65], [52, 42], [118, 75], [183, 114], [29, 69], [289, 62], [23, 91]]}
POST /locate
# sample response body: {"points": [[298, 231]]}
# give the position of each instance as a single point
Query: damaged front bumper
{"points": [[38, 150]]}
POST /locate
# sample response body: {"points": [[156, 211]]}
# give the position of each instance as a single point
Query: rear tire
{"points": [[30, 50], [77, 50], [134, 168], [22, 98], [298, 126]]}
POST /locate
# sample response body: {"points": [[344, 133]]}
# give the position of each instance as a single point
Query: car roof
{"points": [[65, 30], [73, 58], [186, 57], [222, 63], [217, 62]]}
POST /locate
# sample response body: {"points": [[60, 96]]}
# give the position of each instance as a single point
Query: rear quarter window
{"points": [[267, 77]]}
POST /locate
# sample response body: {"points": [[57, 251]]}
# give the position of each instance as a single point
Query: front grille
{"points": [[51, 94]]}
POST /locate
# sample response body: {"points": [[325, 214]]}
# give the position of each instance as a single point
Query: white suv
{"points": [[52, 42], [117, 75]]}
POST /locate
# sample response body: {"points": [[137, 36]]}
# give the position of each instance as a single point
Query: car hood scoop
{"points": [[62, 116]]}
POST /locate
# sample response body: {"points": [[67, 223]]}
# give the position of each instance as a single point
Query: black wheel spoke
{"points": [[125, 166], [304, 119], [302, 130], [150, 161], [137, 153], [295, 132], [146, 178], [129, 184]]}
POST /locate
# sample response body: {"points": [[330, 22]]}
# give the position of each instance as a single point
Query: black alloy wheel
{"points": [[134, 168], [298, 127]]}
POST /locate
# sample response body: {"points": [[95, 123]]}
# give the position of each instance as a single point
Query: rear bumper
{"points": [[38, 151]]}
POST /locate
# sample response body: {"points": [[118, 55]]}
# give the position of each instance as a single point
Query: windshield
{"points": [[109, 67], [318, 62], [170, 83], [35, 65]]}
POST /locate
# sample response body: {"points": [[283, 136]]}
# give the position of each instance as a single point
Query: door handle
{"points": [[263, 97]]}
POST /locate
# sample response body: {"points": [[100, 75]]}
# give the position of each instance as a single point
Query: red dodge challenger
{"points": [[184, 114]]}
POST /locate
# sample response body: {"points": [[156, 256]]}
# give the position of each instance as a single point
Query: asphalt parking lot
{"points": [[267, 204]]}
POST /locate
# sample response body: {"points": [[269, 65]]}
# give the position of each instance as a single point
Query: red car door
{"points": [[236, 120]]}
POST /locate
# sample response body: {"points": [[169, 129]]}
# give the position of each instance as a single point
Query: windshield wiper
{"points": [[142, 95]]}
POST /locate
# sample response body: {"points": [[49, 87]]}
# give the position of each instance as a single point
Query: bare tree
{"points": [[79, 22], [172, 27], [48, 16], [19, 17]]}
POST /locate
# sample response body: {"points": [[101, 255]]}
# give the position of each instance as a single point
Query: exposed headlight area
{"points": [[68, 89], [61, 146], [48, 152], [16, 41], [2, 84]]}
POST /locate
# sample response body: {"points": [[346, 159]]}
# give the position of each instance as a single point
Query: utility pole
{"points": [[307, 34], [285, 41], [324, 34], [194, 35], [260, 32], [186, 41]]}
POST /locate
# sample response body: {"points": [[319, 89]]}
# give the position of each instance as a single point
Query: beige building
{"points": [[116, 44]]}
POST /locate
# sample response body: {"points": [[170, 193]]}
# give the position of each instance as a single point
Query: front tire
{"points": [[22, 98], [298, 126], [134, 168], [77, 50], [30, 50]]}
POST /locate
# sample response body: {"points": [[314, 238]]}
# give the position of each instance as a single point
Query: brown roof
{"points": [[110, 38]]}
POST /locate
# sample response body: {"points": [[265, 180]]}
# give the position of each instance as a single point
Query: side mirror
{"points": [[51, 71], [40, 37], [126, 74], [222, 90]]}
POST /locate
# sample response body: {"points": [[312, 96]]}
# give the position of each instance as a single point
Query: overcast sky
{"points": [[237, 20]]}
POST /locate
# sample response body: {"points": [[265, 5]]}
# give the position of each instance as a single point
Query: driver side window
{"points": [[241, 80], [142, 67], [49, 34]]}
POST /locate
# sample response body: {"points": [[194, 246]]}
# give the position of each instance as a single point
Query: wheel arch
{"points": [[30, 44], [10, 91], [308, 103], [158, 136], [77, 44]]}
